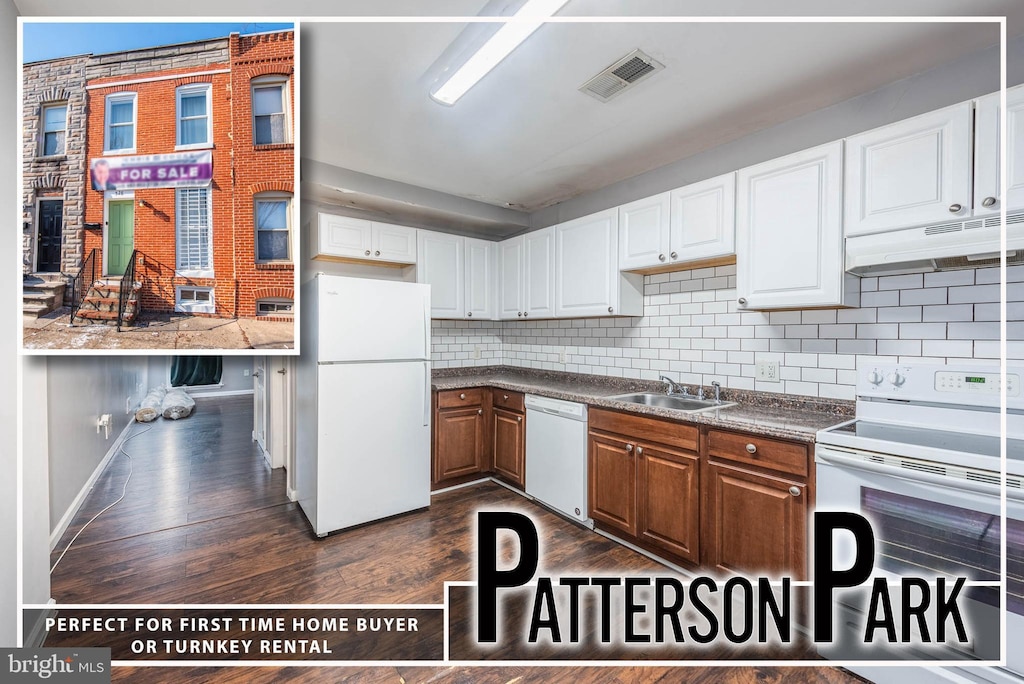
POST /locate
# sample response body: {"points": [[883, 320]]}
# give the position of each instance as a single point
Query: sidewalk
{"points": [[158, 331]]}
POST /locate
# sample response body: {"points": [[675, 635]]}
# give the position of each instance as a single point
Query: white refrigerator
{"points": [[363, 404]]}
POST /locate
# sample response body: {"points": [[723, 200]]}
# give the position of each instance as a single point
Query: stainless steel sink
{"points": [[678, 403]]}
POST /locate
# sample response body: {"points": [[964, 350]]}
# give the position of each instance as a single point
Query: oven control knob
{"points": [[875, 378], [896, 379]]}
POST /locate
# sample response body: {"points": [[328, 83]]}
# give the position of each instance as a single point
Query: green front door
{"points": [[120, 235]]}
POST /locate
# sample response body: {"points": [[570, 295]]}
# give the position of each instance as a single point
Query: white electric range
{"points": [[922, 461]]}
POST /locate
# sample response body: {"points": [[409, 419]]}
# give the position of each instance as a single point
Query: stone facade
{"points": [[59, 176]]}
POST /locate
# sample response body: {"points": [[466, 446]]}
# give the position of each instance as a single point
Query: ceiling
{"points": [[524, 138]]}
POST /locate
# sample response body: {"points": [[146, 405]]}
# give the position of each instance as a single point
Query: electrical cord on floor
{"points": [[124, 491]]}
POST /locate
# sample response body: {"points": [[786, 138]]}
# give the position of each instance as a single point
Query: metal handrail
{"points": [[79, 287], [124, 293]]}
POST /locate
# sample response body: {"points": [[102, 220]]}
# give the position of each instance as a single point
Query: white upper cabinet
{"points": [[689, 224], [789, 237], [511, 263], [396, 244], [910, 173], [539, 274], [703, 220], [987, 148], [343, 237], [480, 278], [587, 277], [441, 266], [644, 232]]}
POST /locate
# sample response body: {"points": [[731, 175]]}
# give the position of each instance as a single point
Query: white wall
{"points": [[35, 484], [692, 331], [80, 390]]}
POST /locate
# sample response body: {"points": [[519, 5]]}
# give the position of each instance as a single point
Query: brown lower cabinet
{"points": [[478, 431], [642, 489]]}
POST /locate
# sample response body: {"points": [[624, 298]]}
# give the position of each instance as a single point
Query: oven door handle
{"points": [[838, 458]]}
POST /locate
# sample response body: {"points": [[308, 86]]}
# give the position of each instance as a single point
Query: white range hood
{"points": [[937, 247]]}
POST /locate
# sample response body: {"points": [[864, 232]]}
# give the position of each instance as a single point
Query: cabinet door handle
{"points": [[639, 451], [629, 448], [377, 253], [988, 201], [661, 257], [674, 255], [479, 412], [955, 208], [794, 490], [367, 252], [526, 313], [751, 448], [519, 418], [520, 314], [470, 314], [462, 396], [742, 301], [611, 309]]}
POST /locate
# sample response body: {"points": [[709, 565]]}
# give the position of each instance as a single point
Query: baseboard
{"points": [[36, 636], [293, 494], [72, 511], [221, 393]]}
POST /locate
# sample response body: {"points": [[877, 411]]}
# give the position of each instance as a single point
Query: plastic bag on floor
{"points": [[177, 404], [152, 406]]}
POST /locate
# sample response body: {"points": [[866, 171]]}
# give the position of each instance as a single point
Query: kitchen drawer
{"points": [[513, 401], [786, 457], [646, 430], [460, 398]]}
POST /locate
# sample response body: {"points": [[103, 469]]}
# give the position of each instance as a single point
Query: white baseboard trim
{"points": [[35, 637], [293, 495], [221, 393], [460, 486], [69, 514]]}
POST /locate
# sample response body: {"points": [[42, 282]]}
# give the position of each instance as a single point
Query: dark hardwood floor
{"points": [[206, 521]]}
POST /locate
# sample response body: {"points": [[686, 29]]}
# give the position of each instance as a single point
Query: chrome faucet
{"points": [[718, 391], [673, 388]]}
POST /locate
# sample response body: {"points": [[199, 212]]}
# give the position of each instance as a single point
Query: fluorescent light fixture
{"points": [[500, 45]]}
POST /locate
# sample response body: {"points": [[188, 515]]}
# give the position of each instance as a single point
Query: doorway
{"points": [[120, 235], [259, 422], [49, 236]]}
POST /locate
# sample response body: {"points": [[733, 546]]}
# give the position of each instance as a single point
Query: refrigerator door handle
{"points": [[426, 328], [426, 393]]}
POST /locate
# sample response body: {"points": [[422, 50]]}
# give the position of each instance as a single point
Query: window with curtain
{"points": [[194, 231], [273, 221], [55, 123], [191, 371], [120, 130], [269, 111], [194, 121]]}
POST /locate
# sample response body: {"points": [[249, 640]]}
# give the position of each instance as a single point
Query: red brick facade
{"points": [[240, 170]]}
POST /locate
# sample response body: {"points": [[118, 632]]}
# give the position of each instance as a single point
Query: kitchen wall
{"points": [[79, 391], [693, 332]]}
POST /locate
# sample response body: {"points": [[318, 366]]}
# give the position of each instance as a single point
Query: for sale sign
{"points": [[178, 170]]}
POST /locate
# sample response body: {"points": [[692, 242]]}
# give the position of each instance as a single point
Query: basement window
{"points": [[194, 300], [274, 307]]}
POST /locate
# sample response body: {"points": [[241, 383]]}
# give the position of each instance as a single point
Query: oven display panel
{"points": [[976, 383]]}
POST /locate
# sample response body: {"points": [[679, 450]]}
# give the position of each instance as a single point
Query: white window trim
{"points": [[272, 197], [272, 80], [194, 273], [43, 131], [191, 89], [111, 99], [276, 300], [194, 307]]}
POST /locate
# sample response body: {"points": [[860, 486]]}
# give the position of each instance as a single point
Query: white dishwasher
{"points": [[556, 455]]}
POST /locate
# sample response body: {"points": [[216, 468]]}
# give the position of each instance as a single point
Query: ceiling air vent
{"points": [[624, 73]]}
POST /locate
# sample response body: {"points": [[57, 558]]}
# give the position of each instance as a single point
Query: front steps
{"points": [[99, 306], [40, 295]]}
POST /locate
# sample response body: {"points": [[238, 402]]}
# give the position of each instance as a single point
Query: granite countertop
{"points": [[765, 413]]}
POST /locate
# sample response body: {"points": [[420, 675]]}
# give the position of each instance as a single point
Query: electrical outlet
{"points": [[245, 373], [768, 371], [477, 351]]}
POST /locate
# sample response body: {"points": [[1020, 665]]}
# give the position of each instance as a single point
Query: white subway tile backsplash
{"points": [[693, 331]]}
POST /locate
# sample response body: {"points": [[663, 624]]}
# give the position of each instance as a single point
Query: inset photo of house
{"points": [[158, 185]]}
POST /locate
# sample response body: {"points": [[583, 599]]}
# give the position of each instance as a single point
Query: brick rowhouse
{"points": [[196, 246]]}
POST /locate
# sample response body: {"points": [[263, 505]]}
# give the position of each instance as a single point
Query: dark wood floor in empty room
{"points": [[205, 520]]}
